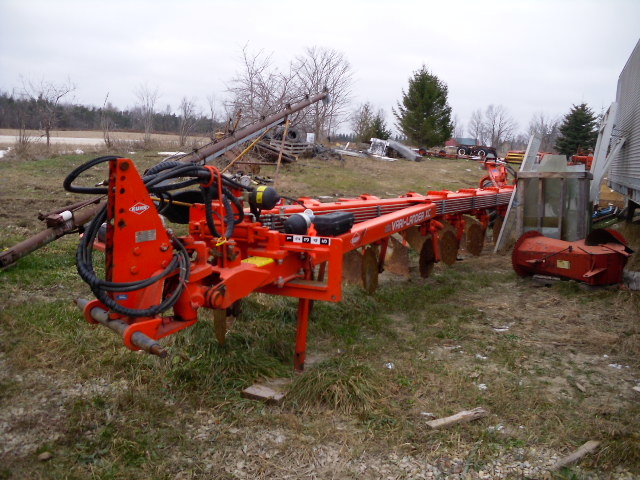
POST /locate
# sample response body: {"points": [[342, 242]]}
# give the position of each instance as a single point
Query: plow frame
{"points": [[259, 257]]}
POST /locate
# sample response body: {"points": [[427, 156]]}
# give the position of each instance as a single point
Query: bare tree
{"points": [[319, 69], [106, 122], [546, 128], [188, 119], [147, 99], [47, 96], [361, 121], [498, 125], [458, 127], [260, 89], [519, 141], [214, 122], [24, 139], [476, 126]]}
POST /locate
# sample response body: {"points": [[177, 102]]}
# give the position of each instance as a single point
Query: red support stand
{"points": [[304, 306]]}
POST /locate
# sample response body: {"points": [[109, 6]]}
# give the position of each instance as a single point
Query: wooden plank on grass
{"points": [[585, 449], [460, 417], [263, 393]]}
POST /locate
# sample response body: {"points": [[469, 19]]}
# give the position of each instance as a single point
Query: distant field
{"points": [[9, 136]]}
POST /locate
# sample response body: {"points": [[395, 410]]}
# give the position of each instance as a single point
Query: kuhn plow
{"points": [[243, 239]]}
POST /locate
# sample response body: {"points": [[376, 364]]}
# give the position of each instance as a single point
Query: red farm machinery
{"points": [[243, 239]]}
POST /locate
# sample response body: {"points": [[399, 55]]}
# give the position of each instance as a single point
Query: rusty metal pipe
{"points": [[38, 240], [215, 149], [72, 208], [139, 339]]}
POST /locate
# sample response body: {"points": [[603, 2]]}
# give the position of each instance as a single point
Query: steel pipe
{"points": [[215, 149], [139, 339]]}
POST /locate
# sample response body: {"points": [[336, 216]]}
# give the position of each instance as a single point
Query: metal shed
{"points": [[624, 173]]}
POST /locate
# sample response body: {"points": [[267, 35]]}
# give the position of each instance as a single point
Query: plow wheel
{"points": [[448, 245], [414, 238], [370, 270], [398, 261], [427, 257], [474, 235]]}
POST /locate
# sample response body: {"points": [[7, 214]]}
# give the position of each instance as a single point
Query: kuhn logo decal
{"points": [[139, 208], [357, 237]]}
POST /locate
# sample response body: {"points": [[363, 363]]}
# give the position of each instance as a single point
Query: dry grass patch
{"points": [[342, 384]]}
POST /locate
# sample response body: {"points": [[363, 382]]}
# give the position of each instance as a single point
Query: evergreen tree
{"points": [[424, 116], [361, 122], [379, 127], [367, 125], [578, 131]]}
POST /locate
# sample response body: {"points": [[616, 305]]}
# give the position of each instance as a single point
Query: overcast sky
{"points": [[529, 56]]}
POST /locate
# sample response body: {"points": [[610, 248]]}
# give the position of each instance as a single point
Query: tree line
{"points": [[16, 111], [258, 90], [425, 119], [422, 115]]}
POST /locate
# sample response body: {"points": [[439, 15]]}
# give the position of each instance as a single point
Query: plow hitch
{"points": [[96, 314]]}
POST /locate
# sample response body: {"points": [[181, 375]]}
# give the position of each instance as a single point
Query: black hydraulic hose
{"points": [[208, 211], [229, 219], [99, 287], [155, 181], [155, 184], [173, 186], [165, 200], [160, 167], [67, 184], [238, 204], [293, 200], [168, 302], [234, 184], [180, 171]]}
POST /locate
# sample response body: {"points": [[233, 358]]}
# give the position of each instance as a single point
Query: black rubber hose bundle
{"points": [[100, 287], [157, 181], [68, 182]]}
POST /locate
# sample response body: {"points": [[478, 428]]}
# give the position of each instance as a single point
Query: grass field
{"points": [[554, 367]]}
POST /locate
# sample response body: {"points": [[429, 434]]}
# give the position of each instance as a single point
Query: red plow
{"points": [[244, 239]]}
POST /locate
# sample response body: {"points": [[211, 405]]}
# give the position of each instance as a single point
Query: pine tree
{"points": [[578, 131], [379, 127], [367, 125], [424, 116]]}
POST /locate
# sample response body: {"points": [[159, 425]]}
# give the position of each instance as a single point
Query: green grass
{"points": [[137, 416], [255, 349], [342, 384]]}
